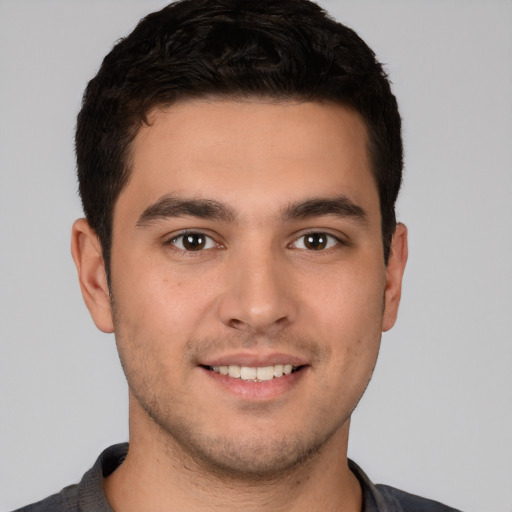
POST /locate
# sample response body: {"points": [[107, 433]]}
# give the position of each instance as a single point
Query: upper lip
{"points": [[254, 360]]}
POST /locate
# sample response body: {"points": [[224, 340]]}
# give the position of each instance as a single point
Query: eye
{"points": [[315, 242], [192, 241]]}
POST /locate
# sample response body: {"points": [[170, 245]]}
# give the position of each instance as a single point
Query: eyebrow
{"points": [[340, 206], [171, 206]]}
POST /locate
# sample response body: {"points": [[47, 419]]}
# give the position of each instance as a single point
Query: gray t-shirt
{"points": [[88, 495]]}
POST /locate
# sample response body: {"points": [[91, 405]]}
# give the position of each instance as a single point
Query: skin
{"points": [[257, 293]]}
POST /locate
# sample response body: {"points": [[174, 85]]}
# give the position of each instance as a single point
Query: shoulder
{"points": [[401, 500], [63, 501], [88, 494], [384, 498]]}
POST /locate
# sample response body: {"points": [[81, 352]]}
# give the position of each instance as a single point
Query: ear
{"points": [[88, 257], [394, 274]]}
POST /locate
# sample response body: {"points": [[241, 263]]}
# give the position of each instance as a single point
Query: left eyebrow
{"points": [[172, 207], [340, 206]]}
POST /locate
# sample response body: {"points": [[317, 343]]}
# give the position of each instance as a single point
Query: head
{"points": [[231, 49], [239, 163]]}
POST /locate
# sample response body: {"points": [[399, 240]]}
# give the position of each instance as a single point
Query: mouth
{"points": [[255, 373]]}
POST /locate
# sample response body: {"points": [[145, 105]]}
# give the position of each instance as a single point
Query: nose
{"points": [[258, 296]]}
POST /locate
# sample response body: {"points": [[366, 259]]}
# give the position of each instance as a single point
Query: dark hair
{"points": [[282, 49]]}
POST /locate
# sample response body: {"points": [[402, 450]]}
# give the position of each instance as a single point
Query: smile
{"points": [[255, 373]]}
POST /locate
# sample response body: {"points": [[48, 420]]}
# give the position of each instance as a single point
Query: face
{"points": [[248, 280]]}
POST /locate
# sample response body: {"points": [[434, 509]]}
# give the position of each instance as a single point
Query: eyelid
{"points": [[330, 239], [169, 240]]}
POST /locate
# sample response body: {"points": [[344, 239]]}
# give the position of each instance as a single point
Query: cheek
{"points": [[149, 333], [157, 313], [349, 317], [350, 300], [355, 342], [166, 300]]}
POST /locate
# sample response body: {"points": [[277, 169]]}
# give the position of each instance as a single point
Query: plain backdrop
{"points": [[437, 417]]}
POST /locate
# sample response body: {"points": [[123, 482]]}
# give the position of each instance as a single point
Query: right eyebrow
{"points": [[340, 206], [172, 206]]}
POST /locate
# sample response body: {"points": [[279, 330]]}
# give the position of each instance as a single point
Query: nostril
{"points": [[236, 324], [249, 309], [240, 324], [255, 329]]}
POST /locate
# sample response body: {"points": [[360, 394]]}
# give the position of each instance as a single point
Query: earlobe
{"points": [[394, 274], [88, 258]]}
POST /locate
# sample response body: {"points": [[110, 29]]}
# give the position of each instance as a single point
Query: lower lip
{"points": [[263, 390]]}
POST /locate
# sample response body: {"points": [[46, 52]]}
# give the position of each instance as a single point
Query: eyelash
{"points": [[172, 242], [331, 241]]}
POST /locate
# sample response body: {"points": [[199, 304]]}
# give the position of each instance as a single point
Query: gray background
{"points": [[437, 418]]}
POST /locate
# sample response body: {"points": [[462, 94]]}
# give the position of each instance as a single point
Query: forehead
{"points": [[250, 152]]}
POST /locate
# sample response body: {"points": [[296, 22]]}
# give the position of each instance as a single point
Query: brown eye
{"points": [[315, 242], [193, 242]]}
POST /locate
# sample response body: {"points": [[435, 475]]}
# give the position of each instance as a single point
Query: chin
{"points": [[254, 456]]}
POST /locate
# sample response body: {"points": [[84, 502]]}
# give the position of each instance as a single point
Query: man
{"points": [[239, 165]]}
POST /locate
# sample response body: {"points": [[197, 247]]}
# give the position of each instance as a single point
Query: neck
{"points": [[159, 475]]}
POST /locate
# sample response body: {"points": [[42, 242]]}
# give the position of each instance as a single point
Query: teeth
{"points": [[234, 371], [278, 370], [248, 373], [265, 373], [260, 373]]}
